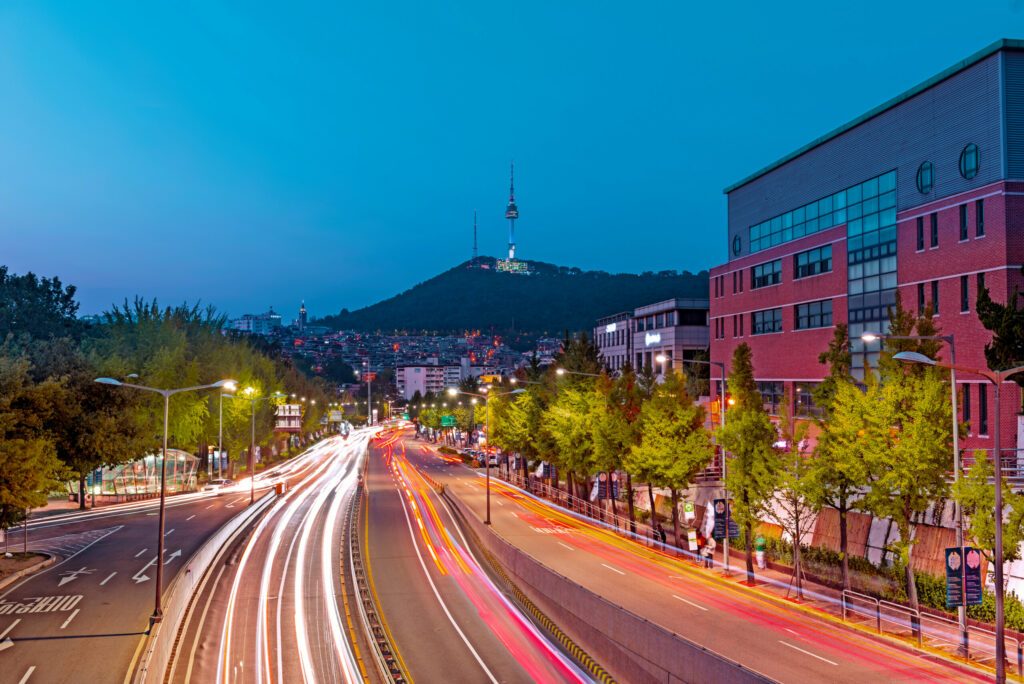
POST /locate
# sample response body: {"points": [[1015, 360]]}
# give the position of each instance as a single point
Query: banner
{"points": [[720, 516], [963, 577]]}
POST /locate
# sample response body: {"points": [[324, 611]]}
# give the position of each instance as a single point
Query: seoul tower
{"points": [[512, 213]]}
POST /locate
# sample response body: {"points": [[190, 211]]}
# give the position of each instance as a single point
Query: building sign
{"points": [[335, 416], [689, 513], [610, 328], [652, 338], [720, 515], [963, 577], [288, 418]]}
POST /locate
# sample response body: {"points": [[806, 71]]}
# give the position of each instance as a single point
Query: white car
{"points": [[217, 485]]}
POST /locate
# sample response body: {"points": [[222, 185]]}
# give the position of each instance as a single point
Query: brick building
{"points": [[922, 195]]}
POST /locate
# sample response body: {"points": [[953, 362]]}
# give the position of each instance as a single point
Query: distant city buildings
{"points": [[258, 324], [674, 330]]}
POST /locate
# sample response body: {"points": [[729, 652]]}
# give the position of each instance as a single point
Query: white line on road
{"points": [[141, 552], [566, 546], [210, 506], [689, 602], [70, 618], [791, 631], [28, 673], [109, 577], [813, 655], [613, 569], [9, 628], [498, 502], [189, 518], [168, 532]]}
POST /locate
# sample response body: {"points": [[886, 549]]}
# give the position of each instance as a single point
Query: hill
{"points": [[548, 302]]}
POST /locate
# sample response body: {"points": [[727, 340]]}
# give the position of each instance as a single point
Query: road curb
{"points": [[45, 563]]}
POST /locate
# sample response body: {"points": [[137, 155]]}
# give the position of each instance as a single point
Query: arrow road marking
{"points": [[5, 641], [72, 575], [6, 644], [141, 576], [172, 556]]}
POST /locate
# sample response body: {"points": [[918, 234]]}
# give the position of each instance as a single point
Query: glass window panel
{"points": [[812, 226], [854, 211], [869, 188], [825, 205], [787, 234], [798, 215], [887, 182], [855, 244], [887, 200], [812, 210], [887, 217], [800, 230], [787, 219], [839, 200], [888, 280], [854, 227], [776, 223], [870, 206], [871, 268], [871, 222], [853, 195], [856, 286], [839, 216], [871, 284], [888, 264], [825, 221], [856, 271]]}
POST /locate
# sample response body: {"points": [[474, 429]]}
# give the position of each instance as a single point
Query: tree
{"points": [[568, 421], [975, 492], [1006, 322], [749, 437], [674, 444], [615, 427]]}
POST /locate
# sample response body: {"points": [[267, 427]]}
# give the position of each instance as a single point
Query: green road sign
{"points": [[447, 421]]}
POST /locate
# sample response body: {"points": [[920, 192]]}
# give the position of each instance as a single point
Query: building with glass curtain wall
{"points": [[920, 197]]}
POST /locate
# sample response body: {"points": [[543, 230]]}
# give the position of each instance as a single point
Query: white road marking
{"points": [[5, 641], [613, 569], [109, 577], [689, 602], [72, 575], [813, 655], [791, 631], [70, 618], [141, 552], [189, 518], [28, 673], [499, 503], [5, 644], [9, 628], [210, 506], [168, 532], [151, 514], [565, 546]]}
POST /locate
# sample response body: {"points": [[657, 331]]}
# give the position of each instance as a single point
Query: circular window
{"points": [[736, 245], [969, 161], [925, 178]]}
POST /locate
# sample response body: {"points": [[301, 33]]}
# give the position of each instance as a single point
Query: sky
{"points": [[255, 154]]}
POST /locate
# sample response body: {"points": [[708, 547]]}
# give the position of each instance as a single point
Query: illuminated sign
{"points": [[609, 328], [652, 338]]}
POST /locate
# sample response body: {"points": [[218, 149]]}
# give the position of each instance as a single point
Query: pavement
{"points": [[271, 609], [783, 641], [447, 619], [83, 618]]}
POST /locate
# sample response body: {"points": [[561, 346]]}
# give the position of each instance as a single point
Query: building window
{"points": [[771, 396], [963, 222], [735, 325], [965, 301], [935, 229], [979, 218], [935, 297], [982, 409], [925, 178], [966, 394], [734, 282], [920, 298], [981, 282], [812, 262], [920, 233], [805, 405], [764, 322], [766, 274], [741, 326], [736, 245], [969, 161], [814, 315]]}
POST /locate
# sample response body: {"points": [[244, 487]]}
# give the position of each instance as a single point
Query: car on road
{"points": [[218, 485]]}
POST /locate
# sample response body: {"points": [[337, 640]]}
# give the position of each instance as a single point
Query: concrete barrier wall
{"points": [[631, 648], [156, 654]]}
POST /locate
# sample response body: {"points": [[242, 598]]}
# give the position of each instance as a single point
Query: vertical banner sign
{"points": [[615, 485], [955, 577], [602, 486], [691, 540], [720, 513], [972, 576], [688, 511]]}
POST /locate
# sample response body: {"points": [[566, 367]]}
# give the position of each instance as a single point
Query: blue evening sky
{"points": [[257, 153]]}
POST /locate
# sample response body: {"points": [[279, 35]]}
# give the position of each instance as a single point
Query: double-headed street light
{"points": [[453, 392], [997, 378], [166, 394]]}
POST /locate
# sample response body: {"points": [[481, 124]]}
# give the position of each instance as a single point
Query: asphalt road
{"points": [[782, 643], [447, 619], [83, 619], [271, 609]]}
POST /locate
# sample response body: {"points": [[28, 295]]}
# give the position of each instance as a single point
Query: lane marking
{"points": [[566, 546], [28, 673], [499, 503], [613, 569], [813, 655], [791, 631], [9, 628], [141, 552], [190, 517], [109, 577], [689, 602], [70, 618], [168, 532], [210, 506], [31, 577]]}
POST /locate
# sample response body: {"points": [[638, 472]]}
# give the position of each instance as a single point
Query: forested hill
{"points": [[551, 300]]}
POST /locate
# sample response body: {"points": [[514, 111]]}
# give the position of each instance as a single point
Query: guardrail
{"points": [[157, 652]]}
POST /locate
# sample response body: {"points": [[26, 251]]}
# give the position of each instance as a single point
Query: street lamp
{"points": [[166, 394], [230, 387], [721, 412], [997, 378], [453, 392], [662, 359], [251, 393], [959, 514], [563, 371]]}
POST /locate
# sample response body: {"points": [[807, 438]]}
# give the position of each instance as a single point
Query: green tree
{"points": [[568, 422], [1006, 322], [976, 494], [748, 436], [674, 444]]}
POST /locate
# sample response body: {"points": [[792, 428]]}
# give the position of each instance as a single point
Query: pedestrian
{"points": [[709, 552], [701, 541], [662, 534]]}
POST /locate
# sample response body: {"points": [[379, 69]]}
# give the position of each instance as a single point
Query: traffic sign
{"points": [[447, 421]]}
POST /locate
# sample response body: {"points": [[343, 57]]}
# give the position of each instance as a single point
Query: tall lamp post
{"points": [[997, 378], [252, 394], [230, 387], [453, 392], [958, 512], [721, 417], [166, 394]]}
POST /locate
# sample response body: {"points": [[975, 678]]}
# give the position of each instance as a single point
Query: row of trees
{"points": [[57, 423]]}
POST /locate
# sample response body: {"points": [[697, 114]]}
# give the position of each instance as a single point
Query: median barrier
{"points": [[628, 646], [158, 647]]}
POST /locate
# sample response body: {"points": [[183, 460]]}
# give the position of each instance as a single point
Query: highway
{"points": [[781, 642], [446, 617], [84, 618], [271, 610]]}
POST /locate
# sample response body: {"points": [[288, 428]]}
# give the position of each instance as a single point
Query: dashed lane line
{"points": [[70, 618], [109, 577], [565, 546], [695, 605], [141, 552], [613, 569], [813, 655], [190, 517], [28, 673]]}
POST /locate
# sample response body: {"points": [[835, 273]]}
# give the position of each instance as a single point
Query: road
{"points": [[783, 643], [83, 619], [447, 619], [272, 608]]}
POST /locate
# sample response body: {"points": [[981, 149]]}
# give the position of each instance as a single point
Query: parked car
{"points": [[218, 485]]}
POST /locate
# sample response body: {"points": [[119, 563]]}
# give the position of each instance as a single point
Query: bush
{"points": [[448, 450]]}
